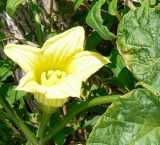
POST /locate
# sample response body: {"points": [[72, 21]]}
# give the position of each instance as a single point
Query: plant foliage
{"points": [[119, 104]]}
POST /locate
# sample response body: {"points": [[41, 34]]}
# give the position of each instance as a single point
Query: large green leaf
{"points": [[139, 43], [131, 120], [149, 3], [95, 21], [12, 6]]}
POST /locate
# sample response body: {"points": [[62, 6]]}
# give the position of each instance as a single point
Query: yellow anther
{"points": [[44, 80], [52, 77], [52, 80], [58, 73], [50, 73]]}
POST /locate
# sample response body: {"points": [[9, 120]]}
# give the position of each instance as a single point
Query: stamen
{"points": [[50, 73], [58, 73], [43, 78], [52, 77], [52, 80]]}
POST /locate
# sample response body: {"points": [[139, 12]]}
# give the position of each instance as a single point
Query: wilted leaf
{"points": [[131, 120], [139, 43]]}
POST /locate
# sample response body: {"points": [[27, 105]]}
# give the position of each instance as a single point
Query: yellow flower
{"points": [[56, 71]]}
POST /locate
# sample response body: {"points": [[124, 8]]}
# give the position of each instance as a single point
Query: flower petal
{"points": [[62, 47], [28, 84], [86, 63], [68, 87], [23, 55]]}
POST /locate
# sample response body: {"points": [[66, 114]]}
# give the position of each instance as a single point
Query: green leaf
{"points": [[77, 3], [52, 34], [5, 69], [152, 2], [139, 44], [12, 6], [2, 5], [146, 3], [91, 122], [157, 9], [149, 3], [95, 21], [112, 9], [92, 41], [59, 139], [8, 91], [131, 120], [119, 69], [28, 143]]}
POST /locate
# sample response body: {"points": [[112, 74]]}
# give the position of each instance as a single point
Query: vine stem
{"points": [[47, 112], [37, 20], [6, 119], [18, 121], [81, 107], [117, 14], [86, 5]]}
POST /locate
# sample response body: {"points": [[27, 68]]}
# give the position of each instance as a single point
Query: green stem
{"points": [[18, 121], [79, 108], [4, 115], [15, 130], [7, 120], [47, 112], [37, 20], [86, 5], [118, 16]]}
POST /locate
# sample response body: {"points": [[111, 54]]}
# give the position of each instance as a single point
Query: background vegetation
{"points": [[127, 32]]}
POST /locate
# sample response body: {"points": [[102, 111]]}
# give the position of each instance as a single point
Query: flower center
{"points": [[52, 77]]}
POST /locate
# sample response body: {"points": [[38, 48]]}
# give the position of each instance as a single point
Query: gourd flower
{"points": [[56, 71]]}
